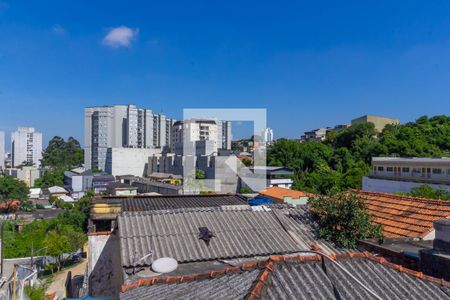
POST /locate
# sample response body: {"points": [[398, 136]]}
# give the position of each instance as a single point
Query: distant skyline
{"points": [[310, 65]]}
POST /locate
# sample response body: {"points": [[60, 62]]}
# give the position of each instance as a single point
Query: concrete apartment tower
{"points": [[268, 136], [26, 146], [2, 150], [122, 126]]}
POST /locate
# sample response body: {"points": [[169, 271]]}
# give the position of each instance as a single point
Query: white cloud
{"points": [[121, 36], [58, 29]]}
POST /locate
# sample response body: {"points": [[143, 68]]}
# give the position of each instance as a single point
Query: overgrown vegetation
{"points": [[61, 154], [339, 163], [69, 227], [426, 191], [35, 292], [344, 219]]}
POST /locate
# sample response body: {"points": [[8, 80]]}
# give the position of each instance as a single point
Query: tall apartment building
{"points": [[122, 126], [216, 134], [2, 150], [224, 134], [26, 146], [267, 136]]}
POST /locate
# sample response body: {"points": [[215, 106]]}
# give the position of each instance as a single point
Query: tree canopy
{"points": [[340, 162], [12, 188], [343, 219], [61, 154]]}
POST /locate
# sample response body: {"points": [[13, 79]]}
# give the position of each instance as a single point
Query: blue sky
{"points": [[310, 63]]}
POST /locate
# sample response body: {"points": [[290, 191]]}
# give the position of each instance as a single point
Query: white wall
{"points": [[128, 161], [393, 186]]}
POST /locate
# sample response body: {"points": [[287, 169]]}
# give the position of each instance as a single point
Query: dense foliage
{"points": [[426, 191], [60, 154], [344, 219], [340, 161], [69, 225], [11, 189], [50, 178]]}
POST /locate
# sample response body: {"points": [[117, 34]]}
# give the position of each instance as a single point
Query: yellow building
{"points": [[379, 122]]}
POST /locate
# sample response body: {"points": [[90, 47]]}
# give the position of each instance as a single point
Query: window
{"points": [[448, 171], [437, 171], [390, 169], [380, 168], [416, 170], [405, 170]]}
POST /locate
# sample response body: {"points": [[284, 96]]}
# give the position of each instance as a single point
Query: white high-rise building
{"points": [[2, 150], [268, 136], [216, 134], [26, 146], [122, 126]]}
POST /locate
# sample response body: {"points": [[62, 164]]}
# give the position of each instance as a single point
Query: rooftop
{"points": [[235, 233], [404, 216], [280, 193], [412, 160], [298, 277], [168, 202]]}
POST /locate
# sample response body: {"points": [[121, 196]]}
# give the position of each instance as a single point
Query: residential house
{"points": [[400, 175], [283, 195]]}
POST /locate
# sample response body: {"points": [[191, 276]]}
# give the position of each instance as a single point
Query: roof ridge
{"points": [[395, 196], [184, 278], [268, 265]]}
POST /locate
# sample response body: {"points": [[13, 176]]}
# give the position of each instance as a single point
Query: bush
{"points": [[35, 292], [343, 219]]}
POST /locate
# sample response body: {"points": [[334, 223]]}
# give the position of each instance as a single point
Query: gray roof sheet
{"points": [[148, 203], [229, 286], [299, 280], [311, 281], [237, 233]]}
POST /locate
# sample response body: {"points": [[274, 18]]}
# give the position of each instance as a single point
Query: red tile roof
{"points": [[404, 216], [280, 193]]}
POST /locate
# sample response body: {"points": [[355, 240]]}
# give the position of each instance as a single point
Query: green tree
{"points": [[11, 188], [50, 178], [199, 174], [426, 191], [61, 154], [343, 219], [57, 245]]}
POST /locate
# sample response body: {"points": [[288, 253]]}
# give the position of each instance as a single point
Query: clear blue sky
{"points": [[310, 63]]}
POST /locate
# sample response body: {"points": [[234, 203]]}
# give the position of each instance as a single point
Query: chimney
{"points": [[436, 261], [441, 241]]}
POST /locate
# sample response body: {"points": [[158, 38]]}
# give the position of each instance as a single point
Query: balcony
{"points": [[443, 178]]}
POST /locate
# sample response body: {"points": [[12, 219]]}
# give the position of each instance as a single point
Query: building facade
{"points": [[318, 134], [120, 126], [379, 122], [26, 146], [128, 161], [212, 134], [27, 174], [395, 175], [268, 136]]}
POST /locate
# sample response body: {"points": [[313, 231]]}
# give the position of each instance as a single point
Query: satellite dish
{"points": [[164, 265]]}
